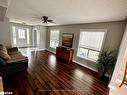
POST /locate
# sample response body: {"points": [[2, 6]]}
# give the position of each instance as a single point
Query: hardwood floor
{"points": [[48, 76]]}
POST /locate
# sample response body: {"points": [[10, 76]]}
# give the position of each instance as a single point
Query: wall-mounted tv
{"points": [[67, 39]]}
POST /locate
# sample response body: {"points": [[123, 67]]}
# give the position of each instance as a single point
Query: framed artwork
{"points": [[67, 39]]}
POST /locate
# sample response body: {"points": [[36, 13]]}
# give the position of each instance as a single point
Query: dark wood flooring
{"points": [[48, 76]]}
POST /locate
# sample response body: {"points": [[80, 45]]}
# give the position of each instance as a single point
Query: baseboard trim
{"points": [[85, 66], [51, 51], [41, 49]]}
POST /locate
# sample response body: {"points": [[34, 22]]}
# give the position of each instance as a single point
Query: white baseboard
{"points": [[42, 49], [51, 51], [85, 66]]}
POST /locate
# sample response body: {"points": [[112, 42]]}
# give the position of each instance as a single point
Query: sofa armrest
{"points": [[2, 62], [13, 49]]}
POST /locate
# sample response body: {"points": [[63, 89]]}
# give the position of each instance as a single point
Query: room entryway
{"points": [[25, 37]]}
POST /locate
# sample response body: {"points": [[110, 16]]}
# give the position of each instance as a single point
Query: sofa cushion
{"points": [[12, 50], [15, 53], [3, 48], [3, 52], [17, 59], [4, 55]]}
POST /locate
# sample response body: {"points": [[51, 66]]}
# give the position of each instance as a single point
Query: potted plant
{"points": [[106, 61]]}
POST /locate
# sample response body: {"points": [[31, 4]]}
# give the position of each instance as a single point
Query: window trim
{"points": [[91, 30], [55, 40]]}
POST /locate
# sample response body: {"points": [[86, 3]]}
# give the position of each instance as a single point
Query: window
{"points": [[21, 33], [90, 44], [14, 35], [54, 38]]}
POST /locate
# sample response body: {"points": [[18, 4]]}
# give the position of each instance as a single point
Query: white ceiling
{"points": [[67, 11]]}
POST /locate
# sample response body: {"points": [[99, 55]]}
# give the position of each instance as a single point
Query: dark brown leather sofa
{"points": [[11, 61]]}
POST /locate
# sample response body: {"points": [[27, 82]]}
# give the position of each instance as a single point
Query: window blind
{"points": [[54, 35], [91, 40]]}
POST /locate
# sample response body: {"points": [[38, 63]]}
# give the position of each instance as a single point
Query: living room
{"points": [[76, 31]]}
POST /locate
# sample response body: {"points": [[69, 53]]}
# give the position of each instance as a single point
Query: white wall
{"points": [[114, 35], [5, 34]]}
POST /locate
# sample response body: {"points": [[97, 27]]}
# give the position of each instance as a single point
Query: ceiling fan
{"points": [[46, 20]]}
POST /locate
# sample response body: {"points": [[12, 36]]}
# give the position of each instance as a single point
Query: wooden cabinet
{"points": [[65, 53]]}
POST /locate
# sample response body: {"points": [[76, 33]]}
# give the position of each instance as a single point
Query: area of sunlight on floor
{"points": [[27, 52]]}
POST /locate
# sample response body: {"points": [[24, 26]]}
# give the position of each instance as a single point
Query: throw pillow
{"points": [[4, 55]]}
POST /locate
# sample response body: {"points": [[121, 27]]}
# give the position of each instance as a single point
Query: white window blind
{"points": [[54, 35], [91, 40], [54, 38]]}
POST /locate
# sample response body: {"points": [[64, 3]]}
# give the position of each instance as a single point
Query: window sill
{"points": [[52, 48], [88, 59]]}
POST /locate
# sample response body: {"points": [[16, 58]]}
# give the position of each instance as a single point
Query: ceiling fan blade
{"points": [[50, 20]]}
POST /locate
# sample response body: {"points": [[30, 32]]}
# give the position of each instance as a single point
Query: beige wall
{"points": [[114, 35], [43, 31], [5, 34], [41, 36], [2, 13]]}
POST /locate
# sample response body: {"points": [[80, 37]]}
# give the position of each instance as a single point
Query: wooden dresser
{"points": [[65, 53]]}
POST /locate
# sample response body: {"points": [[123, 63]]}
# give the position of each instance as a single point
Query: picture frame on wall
{"points": [[67, 39]]}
